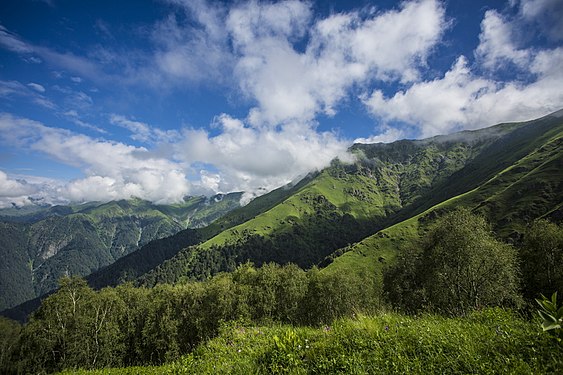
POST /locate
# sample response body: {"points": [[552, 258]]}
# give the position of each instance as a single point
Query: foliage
{"points": [[9, 335], [551, 314], [460, 267], [127, 326], [541, 256]]}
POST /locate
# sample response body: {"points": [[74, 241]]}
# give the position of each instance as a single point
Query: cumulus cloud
{"points": [[13, 188], [496, 45], [462, 99], [113, 170], [341, 50], [257, 160]]}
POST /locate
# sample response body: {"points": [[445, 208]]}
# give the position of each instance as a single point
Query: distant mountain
{"points": [[40, 244]]}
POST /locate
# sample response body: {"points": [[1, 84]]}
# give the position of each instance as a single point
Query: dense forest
{"points": [[457, 268]]}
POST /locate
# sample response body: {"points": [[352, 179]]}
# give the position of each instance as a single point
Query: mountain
{"points": [[40, 244], [356, 217], [515, 180], [511, 173]]}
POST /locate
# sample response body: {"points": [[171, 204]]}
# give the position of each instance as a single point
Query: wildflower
{"points": [[387, 328], [239, 350]]}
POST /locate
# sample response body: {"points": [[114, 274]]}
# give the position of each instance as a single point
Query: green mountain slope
{"points": [[43, 244], [524, 185], [389, 184], [358, 216], [339, 206]]}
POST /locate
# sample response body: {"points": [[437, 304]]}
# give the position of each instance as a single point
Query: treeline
{"points": [[458, 266], [78, 327]]}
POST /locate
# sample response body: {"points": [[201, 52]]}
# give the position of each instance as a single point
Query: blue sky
{"points": [[103, 100]]}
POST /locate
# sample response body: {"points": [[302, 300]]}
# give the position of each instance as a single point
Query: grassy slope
{"points": [[337, 191], [491, 341], [386, 179], [529, 188]]}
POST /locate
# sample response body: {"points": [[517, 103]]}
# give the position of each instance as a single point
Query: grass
{"points": [[492, 341], [338, 191]]}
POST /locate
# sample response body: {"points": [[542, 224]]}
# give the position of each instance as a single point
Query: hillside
{"points": [[387, 184], [524, 182], [41, 244]]}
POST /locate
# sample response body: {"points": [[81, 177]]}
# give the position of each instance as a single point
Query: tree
{"points": [[460, 267], [541, 257], [9, 335]]}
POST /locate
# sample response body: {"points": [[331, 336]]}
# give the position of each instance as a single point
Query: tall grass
{"points": [[492, 341]]}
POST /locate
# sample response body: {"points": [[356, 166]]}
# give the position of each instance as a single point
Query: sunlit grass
{"points": [[492, 341]]}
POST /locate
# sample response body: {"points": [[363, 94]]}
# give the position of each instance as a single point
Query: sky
{"points": [[103, 100]]}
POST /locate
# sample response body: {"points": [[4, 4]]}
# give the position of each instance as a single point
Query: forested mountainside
{"points": [[38, 245]]}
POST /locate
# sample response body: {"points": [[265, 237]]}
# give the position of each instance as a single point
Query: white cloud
{"points": [[12, 42], [76, 79], [461, 100], [37, 87], [496, 45], [13, 188], [258, 160], [73, 116], [9, 89], [143, 132], [114, 170], [191, 53], [547, 14], [341, 51], [388, 135]]}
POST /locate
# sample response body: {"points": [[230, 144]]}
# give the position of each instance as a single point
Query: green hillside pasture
{"points": [[356, 195], [530, 188], [492, 341]]}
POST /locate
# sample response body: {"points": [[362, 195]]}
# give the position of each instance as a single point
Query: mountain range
{"points": [[349, 216], [39, 244]]}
